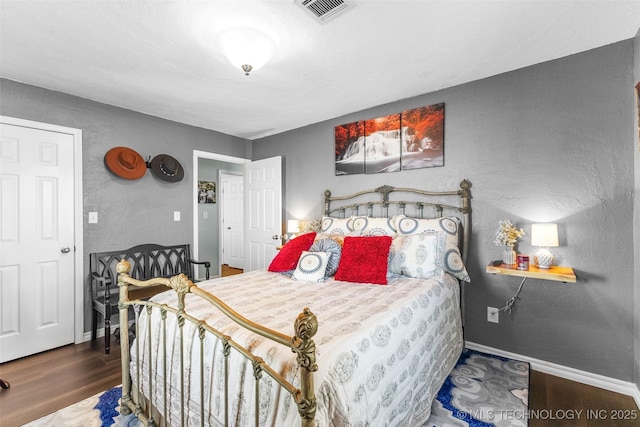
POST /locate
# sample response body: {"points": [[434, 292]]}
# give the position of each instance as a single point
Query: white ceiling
{"points": [[158, 56]]}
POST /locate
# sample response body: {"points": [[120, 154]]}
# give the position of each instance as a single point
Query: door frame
{"points": [[78, 217], [197, 154]]}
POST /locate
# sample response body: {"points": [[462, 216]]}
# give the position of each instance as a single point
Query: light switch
{"points": [[176, 215], [205, 215], [93, 217]]}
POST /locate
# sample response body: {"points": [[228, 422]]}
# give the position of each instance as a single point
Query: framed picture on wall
{"points": [[206, 192]]}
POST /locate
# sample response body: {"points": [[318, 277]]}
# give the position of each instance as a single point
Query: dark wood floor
{"points": [[555, 401], [61, 377], [45, 382]]}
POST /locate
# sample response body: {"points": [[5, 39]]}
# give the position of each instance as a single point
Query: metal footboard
{"points": [[301, 343]]}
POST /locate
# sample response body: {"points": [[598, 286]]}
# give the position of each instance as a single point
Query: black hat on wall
{"points": [[166, 168]]}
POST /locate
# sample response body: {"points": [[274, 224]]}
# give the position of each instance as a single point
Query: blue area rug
{"points": [[482, 390]]}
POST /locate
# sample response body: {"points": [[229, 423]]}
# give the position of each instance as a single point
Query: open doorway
{"points": [[231, 222], [207, 238]]}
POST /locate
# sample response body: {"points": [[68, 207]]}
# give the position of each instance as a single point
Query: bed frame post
{"points": [[305, 327], [465, 194], [123, 268], [327, 202]]}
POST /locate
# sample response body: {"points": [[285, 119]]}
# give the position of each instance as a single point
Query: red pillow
{"points": [[364, 259], [287, 258]]}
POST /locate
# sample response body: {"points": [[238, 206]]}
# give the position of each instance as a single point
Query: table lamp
{"points": [[293, 228], [544, 235]]}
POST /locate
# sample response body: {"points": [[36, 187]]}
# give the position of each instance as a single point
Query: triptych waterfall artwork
{"points": [[413, 139]]}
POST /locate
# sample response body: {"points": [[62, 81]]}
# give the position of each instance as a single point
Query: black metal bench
{"points": [[147, 261]]}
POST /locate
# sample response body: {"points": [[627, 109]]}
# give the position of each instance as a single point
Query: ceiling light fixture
{"points": [[246, 48]]}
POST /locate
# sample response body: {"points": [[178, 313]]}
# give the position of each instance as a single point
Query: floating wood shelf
{"points": [[555, 272]]}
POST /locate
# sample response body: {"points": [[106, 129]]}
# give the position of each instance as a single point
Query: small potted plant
{"points": [[308, 225], [507, 235]]}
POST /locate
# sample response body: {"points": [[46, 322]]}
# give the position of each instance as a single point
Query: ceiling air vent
{"points": [[324, 10]]}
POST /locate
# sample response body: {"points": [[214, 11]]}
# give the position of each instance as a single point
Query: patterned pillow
{"points": [[374, 226], [311, 266], [364, 260], [343, 226], [338, 238], [287, 258], [453, 263], [418, 255], [451, 226], [331, 247]]}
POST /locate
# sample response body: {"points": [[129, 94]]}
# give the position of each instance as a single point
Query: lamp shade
{"points": [[246, 48], [544, 235], [293, 226]]}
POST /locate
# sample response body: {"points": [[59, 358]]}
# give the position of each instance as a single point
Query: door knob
{"points": [[65, 250], [275, 237], [228, 228]]}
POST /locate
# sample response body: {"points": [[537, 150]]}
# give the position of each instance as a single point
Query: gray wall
{"points": [[121, 221], [636, 211], [209, 228], [551, 142]]}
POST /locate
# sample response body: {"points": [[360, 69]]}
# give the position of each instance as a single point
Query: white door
{"points": [[263, 210], [232, 201], [36, 240]]}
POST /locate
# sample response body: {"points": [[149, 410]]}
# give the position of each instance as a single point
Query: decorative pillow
{"points": [[364, 259], [338, 238], [333, 249], [418, 255], [450, 225], [374, 226], [453, 263], [343, 226], [311, 266], [287, 258]]}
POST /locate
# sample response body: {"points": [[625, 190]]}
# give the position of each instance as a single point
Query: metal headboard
{"points": [[407, 201]]}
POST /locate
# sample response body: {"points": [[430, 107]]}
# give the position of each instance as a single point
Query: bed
{"points": [[362, 339]]}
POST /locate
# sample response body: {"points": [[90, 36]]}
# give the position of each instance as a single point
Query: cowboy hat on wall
{"points": [[125, 163], [166, 168]]}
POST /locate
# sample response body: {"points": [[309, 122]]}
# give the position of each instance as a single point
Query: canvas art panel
{"points": [[412, 139], [349, 148], [382, 144], [423, 137]]}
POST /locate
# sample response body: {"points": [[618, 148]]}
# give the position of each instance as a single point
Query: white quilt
{"points": [[383, 352]]}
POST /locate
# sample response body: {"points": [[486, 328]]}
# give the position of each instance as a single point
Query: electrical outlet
{"points": [[493, 315]]}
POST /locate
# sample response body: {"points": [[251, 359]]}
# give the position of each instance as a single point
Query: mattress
{"points": [[383, 351]]}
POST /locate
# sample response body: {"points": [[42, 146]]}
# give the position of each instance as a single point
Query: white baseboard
{"points": [[596, 380], [100, 332]]}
